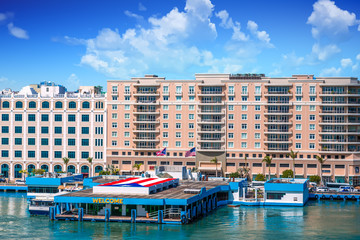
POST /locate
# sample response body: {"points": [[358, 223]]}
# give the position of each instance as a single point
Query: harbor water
{"points": [[317, 220]]}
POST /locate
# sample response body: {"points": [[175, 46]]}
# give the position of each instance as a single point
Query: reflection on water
{"points": [[330, 219]]}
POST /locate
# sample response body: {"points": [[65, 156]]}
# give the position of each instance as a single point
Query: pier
{"points": [[344, 196], [13, 188]]}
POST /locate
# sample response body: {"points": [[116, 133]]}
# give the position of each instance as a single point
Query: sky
{"points": [[87, 42]]}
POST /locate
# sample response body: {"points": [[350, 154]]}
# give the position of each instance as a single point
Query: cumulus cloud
{"points": [[330, 72], [358, 57], [227, 23], [329, 20], [324, 53], [261, 35], [346, 62], [17, 32]]}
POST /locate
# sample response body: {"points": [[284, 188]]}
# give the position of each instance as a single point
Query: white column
{"points": [[51, 130], [105, 123], [78, 119], [38, 130], [25, 120], [11, 139]]}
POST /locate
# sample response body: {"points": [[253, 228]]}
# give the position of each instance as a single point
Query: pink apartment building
{"points": [[231, 117]]}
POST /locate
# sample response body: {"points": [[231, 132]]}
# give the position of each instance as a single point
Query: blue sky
{"points": [[87, 42]]}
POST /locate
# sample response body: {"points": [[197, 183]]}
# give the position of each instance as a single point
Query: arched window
{"points": [[31, 167], [98, 169], [58, 105], [85, 105], [5, 170], [57, 168], [45, 105], [6, 104], [18, 104], [45, 167], [71, 169], [32, 104], [17, 170], [72, 105], [84, 169]]}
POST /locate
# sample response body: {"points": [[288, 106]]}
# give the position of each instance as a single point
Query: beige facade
{"points": [[231, 117], [37, 132]]}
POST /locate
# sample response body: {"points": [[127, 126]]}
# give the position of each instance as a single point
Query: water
{"points": [[318, 220]]}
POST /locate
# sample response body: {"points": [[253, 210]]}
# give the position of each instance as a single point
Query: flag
{"points": [[161, 153], [191, 152]]}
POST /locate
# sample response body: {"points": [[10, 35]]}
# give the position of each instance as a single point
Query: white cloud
{"points": [[17, 32], [261, 35], [329, 20], [324, 53], [133, 15], [358, 57], [346, 62], [293, 60], [227, 23], [73, 82], [142, 7], [200, 8], [330, 72]]}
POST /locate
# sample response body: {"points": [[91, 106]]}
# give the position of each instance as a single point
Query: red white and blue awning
{"points": [[136, 186]]}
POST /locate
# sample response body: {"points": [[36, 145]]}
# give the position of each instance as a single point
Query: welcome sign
{"points": [[108, 200]]}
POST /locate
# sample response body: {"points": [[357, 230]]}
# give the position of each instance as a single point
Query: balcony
{"points": [[207, 139], [147, 112], [245, 93], [146, 130], [147, 102], [211, 121], [211, 112], [191, 93], [146, 139], [127, 93], [277, 93], [278, 131], [278, 103], [211, 93], [209, 102], [231, 93], [278, 122], [114, 93], [278, 112], [145, 120], [146, 93], [165, 93], [211, 130]]}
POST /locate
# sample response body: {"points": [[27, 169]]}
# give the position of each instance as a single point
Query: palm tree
{"points": [[214, 160], [137, 166], [321, 161], [90, 159], [293, 155], [66, 162], [23, 172], [268, 161]]}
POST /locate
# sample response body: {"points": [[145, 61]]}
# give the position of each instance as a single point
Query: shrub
{"points": [[235, 175], [38, 171], [315, 178], [260, 177], [288, 173]]}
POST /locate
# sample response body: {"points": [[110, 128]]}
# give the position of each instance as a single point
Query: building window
{"points": [[231, 126], [44, 141], [298, 136], [298, 145], [31, 129], [84, 142], [18, 129], [231, 135], [298, 126], [298, 107], [114, 116], [312, 117], [178, 134], [312, 145], [244, 116], [231, 116], [31, 154], [257, 116], [85, 130], [18, 117], [178, 125], [31, 117], [114, 125], [191, 126], [298, 117], [86, 105], [126, 134], [127, 143], [71, 130], [257, 107], [244, 145], [165, 143], [312, 136], [243, 126], [84, 155], [257, 135], [230, 145], [178, 116], [58, 118], [85, 118], [71, 117], [165, 116], [71, 142], [257, 145], [165, 125], [44, 130], [243, 135], [312, 126], [72, 105], [191, 135], [312, 108], [257, 126], [231, 107], [191, 116], [165, 134], [113, 143], [165, 107], [58, 130], [178, 144]]}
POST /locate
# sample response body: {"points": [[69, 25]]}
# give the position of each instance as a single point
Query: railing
{"points": [[114, 92], [146, 92], [191, 92], [150, 146], [278, 140], [278, 130], [334, 102], [278, 149], [145, 129], [333, 149], [146, 120], [333, 140], [280, 102], [146, 101], [212, 139], [210, 101], [279, 120], [211, 92], [173, 213], [210, 130], [332, 121], [332, 92], [146, 138], [278, 92], [211, 120]]}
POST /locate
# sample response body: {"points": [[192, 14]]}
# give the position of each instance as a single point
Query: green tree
{"points": [[66, 162], [90, 160], [315, 178], [287, 173], [267, 159], [293, 155], [23, 172], [260, 177], [214, 160], [98, 89], [321, 161], [234, 175], [137, 166], [38, 171]]}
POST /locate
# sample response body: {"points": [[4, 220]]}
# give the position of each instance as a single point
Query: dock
{"points": [[344, 196], [13, 188]]}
